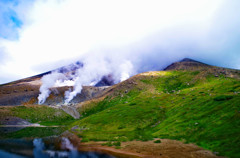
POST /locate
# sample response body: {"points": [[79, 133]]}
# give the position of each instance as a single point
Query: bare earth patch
{"points": [[166, 149]]}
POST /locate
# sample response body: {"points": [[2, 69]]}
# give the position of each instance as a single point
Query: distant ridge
{"points": [[71, 68]]}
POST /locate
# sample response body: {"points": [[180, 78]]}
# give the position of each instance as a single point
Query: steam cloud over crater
{"points": [[94, 69]]}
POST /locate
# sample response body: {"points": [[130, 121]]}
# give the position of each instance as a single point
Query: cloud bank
{"points": [[145, 35]]}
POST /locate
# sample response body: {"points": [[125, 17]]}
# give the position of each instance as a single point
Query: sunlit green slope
{"points": [[192, 106]]}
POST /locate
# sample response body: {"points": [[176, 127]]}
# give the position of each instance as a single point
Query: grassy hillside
{"points": [[191, 106]]}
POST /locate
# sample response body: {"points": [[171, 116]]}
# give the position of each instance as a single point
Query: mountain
{"points": [[189, 101], [25, 91]]}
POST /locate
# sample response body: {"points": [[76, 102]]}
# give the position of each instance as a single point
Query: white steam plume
{"points": [[62, 83], [126, 69], [48, 81], [95, 67]]}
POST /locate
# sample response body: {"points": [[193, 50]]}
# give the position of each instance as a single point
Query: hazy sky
{"points": [[41, 35]]}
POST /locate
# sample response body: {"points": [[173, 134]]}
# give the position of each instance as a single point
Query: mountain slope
{"points": [[192, 106]]}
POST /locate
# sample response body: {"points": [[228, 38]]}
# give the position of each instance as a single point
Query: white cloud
{"points": [[65, 30]]}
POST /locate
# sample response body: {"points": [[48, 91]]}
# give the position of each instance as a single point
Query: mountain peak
{"points": [[187, 64], [188, 60]]}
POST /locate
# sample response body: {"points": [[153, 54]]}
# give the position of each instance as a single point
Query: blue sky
{"points": [[9, 20], [41, 35]]}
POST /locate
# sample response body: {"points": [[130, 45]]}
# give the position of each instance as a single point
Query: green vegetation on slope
{"points": [[32, 132], [191, 106], [38, 114]]}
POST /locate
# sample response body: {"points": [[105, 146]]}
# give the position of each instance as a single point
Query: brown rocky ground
{"points": [[166, 149], [147, 149], [26, 93]]}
